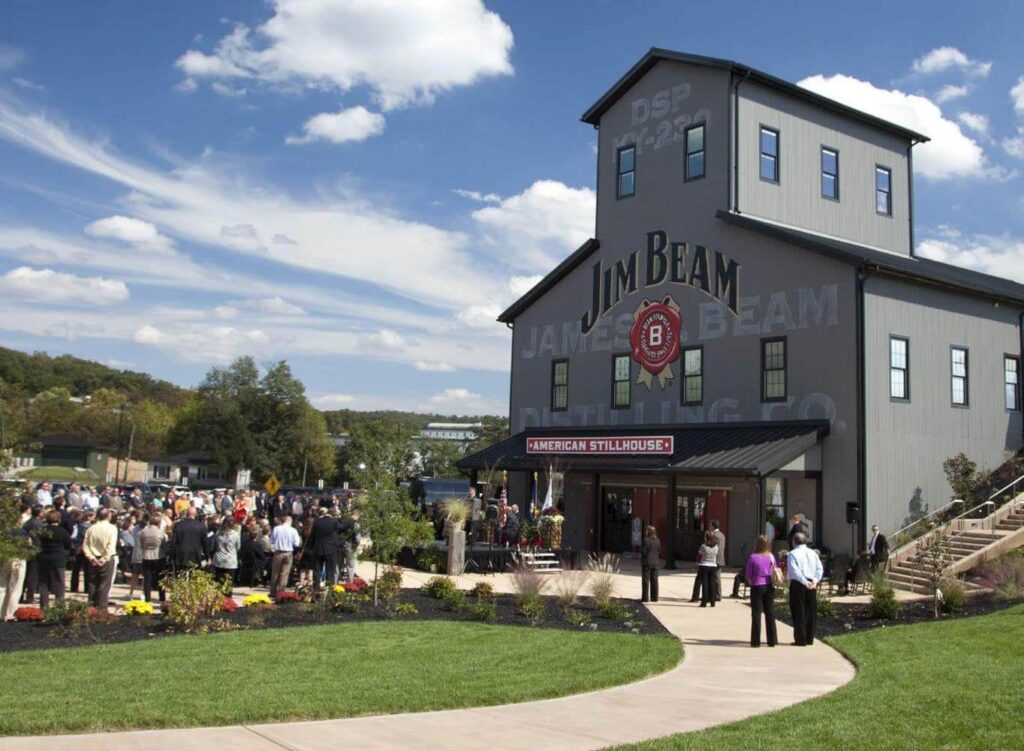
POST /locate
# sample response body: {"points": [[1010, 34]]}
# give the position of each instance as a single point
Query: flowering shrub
{"points": [[283, 597], [138, 607], [355, 586], [229, 605], [28, 613], [256, 598]]}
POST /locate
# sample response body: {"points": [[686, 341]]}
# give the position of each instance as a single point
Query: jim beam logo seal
{"points": [[654, 340]]}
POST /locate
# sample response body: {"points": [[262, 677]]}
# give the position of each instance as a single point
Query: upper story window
{"points": [[695, 152], [627, 172], [773, 369], [883, 190], [899, 367], [829, 173], [958, 375], [693, 375], [559, 385], [1011, 382], [769, 154], [620, 381]]}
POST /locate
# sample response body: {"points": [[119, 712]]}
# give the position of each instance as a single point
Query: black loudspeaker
{"points": [[852, 513]]}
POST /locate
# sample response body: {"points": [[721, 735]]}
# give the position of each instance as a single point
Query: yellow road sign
{"points": [[272, 484]]}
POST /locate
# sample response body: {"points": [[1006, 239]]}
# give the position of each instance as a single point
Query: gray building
{"points": [[749, 334]]}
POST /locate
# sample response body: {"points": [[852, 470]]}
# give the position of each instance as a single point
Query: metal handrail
{"points": [[1011, 485], [895, 535]]}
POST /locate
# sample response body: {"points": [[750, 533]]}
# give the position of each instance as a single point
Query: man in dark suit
{"points": [[878, 549], [796, 527], [188, 541], [280, 508], [323, 543]]}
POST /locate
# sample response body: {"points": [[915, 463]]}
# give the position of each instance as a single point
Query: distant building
{"points": [[65, 450], [198, 470], [463, 432], [338, 440]]}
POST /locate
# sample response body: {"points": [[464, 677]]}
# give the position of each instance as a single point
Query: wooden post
{"points": [[673, 524]]}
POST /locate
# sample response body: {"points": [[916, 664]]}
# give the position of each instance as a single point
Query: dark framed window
{"points": [[883, 190], [694, 152], [958, 373], [775, 517], [627, 172], [769, 145], [773, 369], [621, 381], [829, 173], [693, 375], [899, 367], [559, 385], [1011, 382]]}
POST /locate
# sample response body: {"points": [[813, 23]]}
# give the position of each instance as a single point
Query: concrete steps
{"points": [[541, 561], [912, 574]]}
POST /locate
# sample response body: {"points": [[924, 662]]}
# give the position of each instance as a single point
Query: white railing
{"points": [[923, 523]]}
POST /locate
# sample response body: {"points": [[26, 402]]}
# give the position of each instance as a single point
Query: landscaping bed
{"points": [[26, 636]]}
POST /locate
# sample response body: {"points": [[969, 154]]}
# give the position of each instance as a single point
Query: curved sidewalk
{"points": [[721, 679]]}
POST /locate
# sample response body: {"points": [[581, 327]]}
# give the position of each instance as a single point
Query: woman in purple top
{"points": [[762, 593]]}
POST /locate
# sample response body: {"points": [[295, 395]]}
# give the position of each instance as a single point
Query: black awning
{"points": [[698, 449]]}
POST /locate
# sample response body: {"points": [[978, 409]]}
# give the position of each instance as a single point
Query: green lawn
{"points": [[948, 685], [312, 672]]}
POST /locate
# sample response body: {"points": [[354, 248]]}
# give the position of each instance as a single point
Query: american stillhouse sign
{"points": [[645, 444]]}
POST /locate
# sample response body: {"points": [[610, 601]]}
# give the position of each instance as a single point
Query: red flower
{"points": [[356, 586], [93, 612], [28, 613], [229, 605], [287, 597]]}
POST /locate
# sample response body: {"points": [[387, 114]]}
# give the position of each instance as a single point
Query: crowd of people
{"points": [[87, 538]]}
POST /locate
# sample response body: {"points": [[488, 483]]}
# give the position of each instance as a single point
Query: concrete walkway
{"points": [[720, 680]]}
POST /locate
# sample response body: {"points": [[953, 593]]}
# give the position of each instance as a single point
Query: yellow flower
{"points": [[256, 598], [138, 607]]}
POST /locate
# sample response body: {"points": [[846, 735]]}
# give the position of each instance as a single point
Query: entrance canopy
{"points": [[747, 448]]}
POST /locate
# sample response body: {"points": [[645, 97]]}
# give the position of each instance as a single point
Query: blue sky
{"points": [[360, 187]]}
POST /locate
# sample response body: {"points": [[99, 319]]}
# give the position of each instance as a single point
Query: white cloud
{"points": [[352, 124], [186, 86], [1000, 256], [49, 286], [949, 92], [944, 58], [225, 312], [10, 57], [480, 316], [542, 223], [949, 154], [389, 338], [129, 230], [462, 401], [405, 52], [433, 367], [1014, 146], [520, 285], [475, 195], [332, 401], [974, 121], [1017, 95], [224, 90], [148, 335], [276, 305], [24, 83]]}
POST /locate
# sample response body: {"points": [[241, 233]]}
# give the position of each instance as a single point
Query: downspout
{"points": [[1020, 333], [910, 192], [736, 142], [511, 369], [862, 443]]}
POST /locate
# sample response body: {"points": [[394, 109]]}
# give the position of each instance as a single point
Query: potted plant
{"points": [[456, 511], [551, 530]]}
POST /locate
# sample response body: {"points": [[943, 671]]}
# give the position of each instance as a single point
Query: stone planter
{"points": [[456, 551], [551, 535]]}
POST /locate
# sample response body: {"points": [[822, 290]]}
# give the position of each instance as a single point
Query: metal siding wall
{"points": [[796, 200], [907, 442], [774, 278]]}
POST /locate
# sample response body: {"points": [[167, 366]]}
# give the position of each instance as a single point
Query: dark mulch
{"points": [[856, 616], [25, 636]]}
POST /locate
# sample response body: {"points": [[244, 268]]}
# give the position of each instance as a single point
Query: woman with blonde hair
{"points": [[762, 593], [707, 567]]}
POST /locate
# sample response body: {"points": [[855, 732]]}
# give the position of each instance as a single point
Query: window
{"points": [[627, 171], [769, 154], [883, 190], [695, 152], [829, 173], [775, 508], [620, 381], [693, 375], [958, 375], [559, 385], [773, 369], [899, 367], [1011, 382]]}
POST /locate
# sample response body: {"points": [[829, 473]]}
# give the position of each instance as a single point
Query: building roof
{"points": [[68, 440], [752, 449], [556, 275], [453, 425], [199, 456], [655, 55], [913, 267]]}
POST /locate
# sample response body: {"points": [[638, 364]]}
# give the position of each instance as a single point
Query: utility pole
{"points": [[117, 450], [128, 460]]}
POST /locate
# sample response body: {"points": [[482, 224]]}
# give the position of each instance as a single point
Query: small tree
{"points": [[961, 473], [390, 519], [935, 557], [13, 544]]}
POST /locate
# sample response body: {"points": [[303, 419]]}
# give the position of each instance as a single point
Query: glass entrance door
{"points": [[616, 517], [690, 521]]}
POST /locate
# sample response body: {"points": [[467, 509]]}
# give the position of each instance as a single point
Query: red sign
{"points": [[654, 337], [622, 444]]}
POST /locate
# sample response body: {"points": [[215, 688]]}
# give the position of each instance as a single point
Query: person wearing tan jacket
{"points": [[99, 548]]}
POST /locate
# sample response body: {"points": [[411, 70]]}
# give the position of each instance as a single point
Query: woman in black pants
{"points": [[54, 544], [153, 542], [706, 569], [760, 565]]}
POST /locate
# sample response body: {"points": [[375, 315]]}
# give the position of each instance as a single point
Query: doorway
{"points": [[690, 508], [616, 518]]}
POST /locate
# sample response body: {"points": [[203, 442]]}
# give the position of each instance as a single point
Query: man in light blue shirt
{"points": [[283, 540], [805, 571]]}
